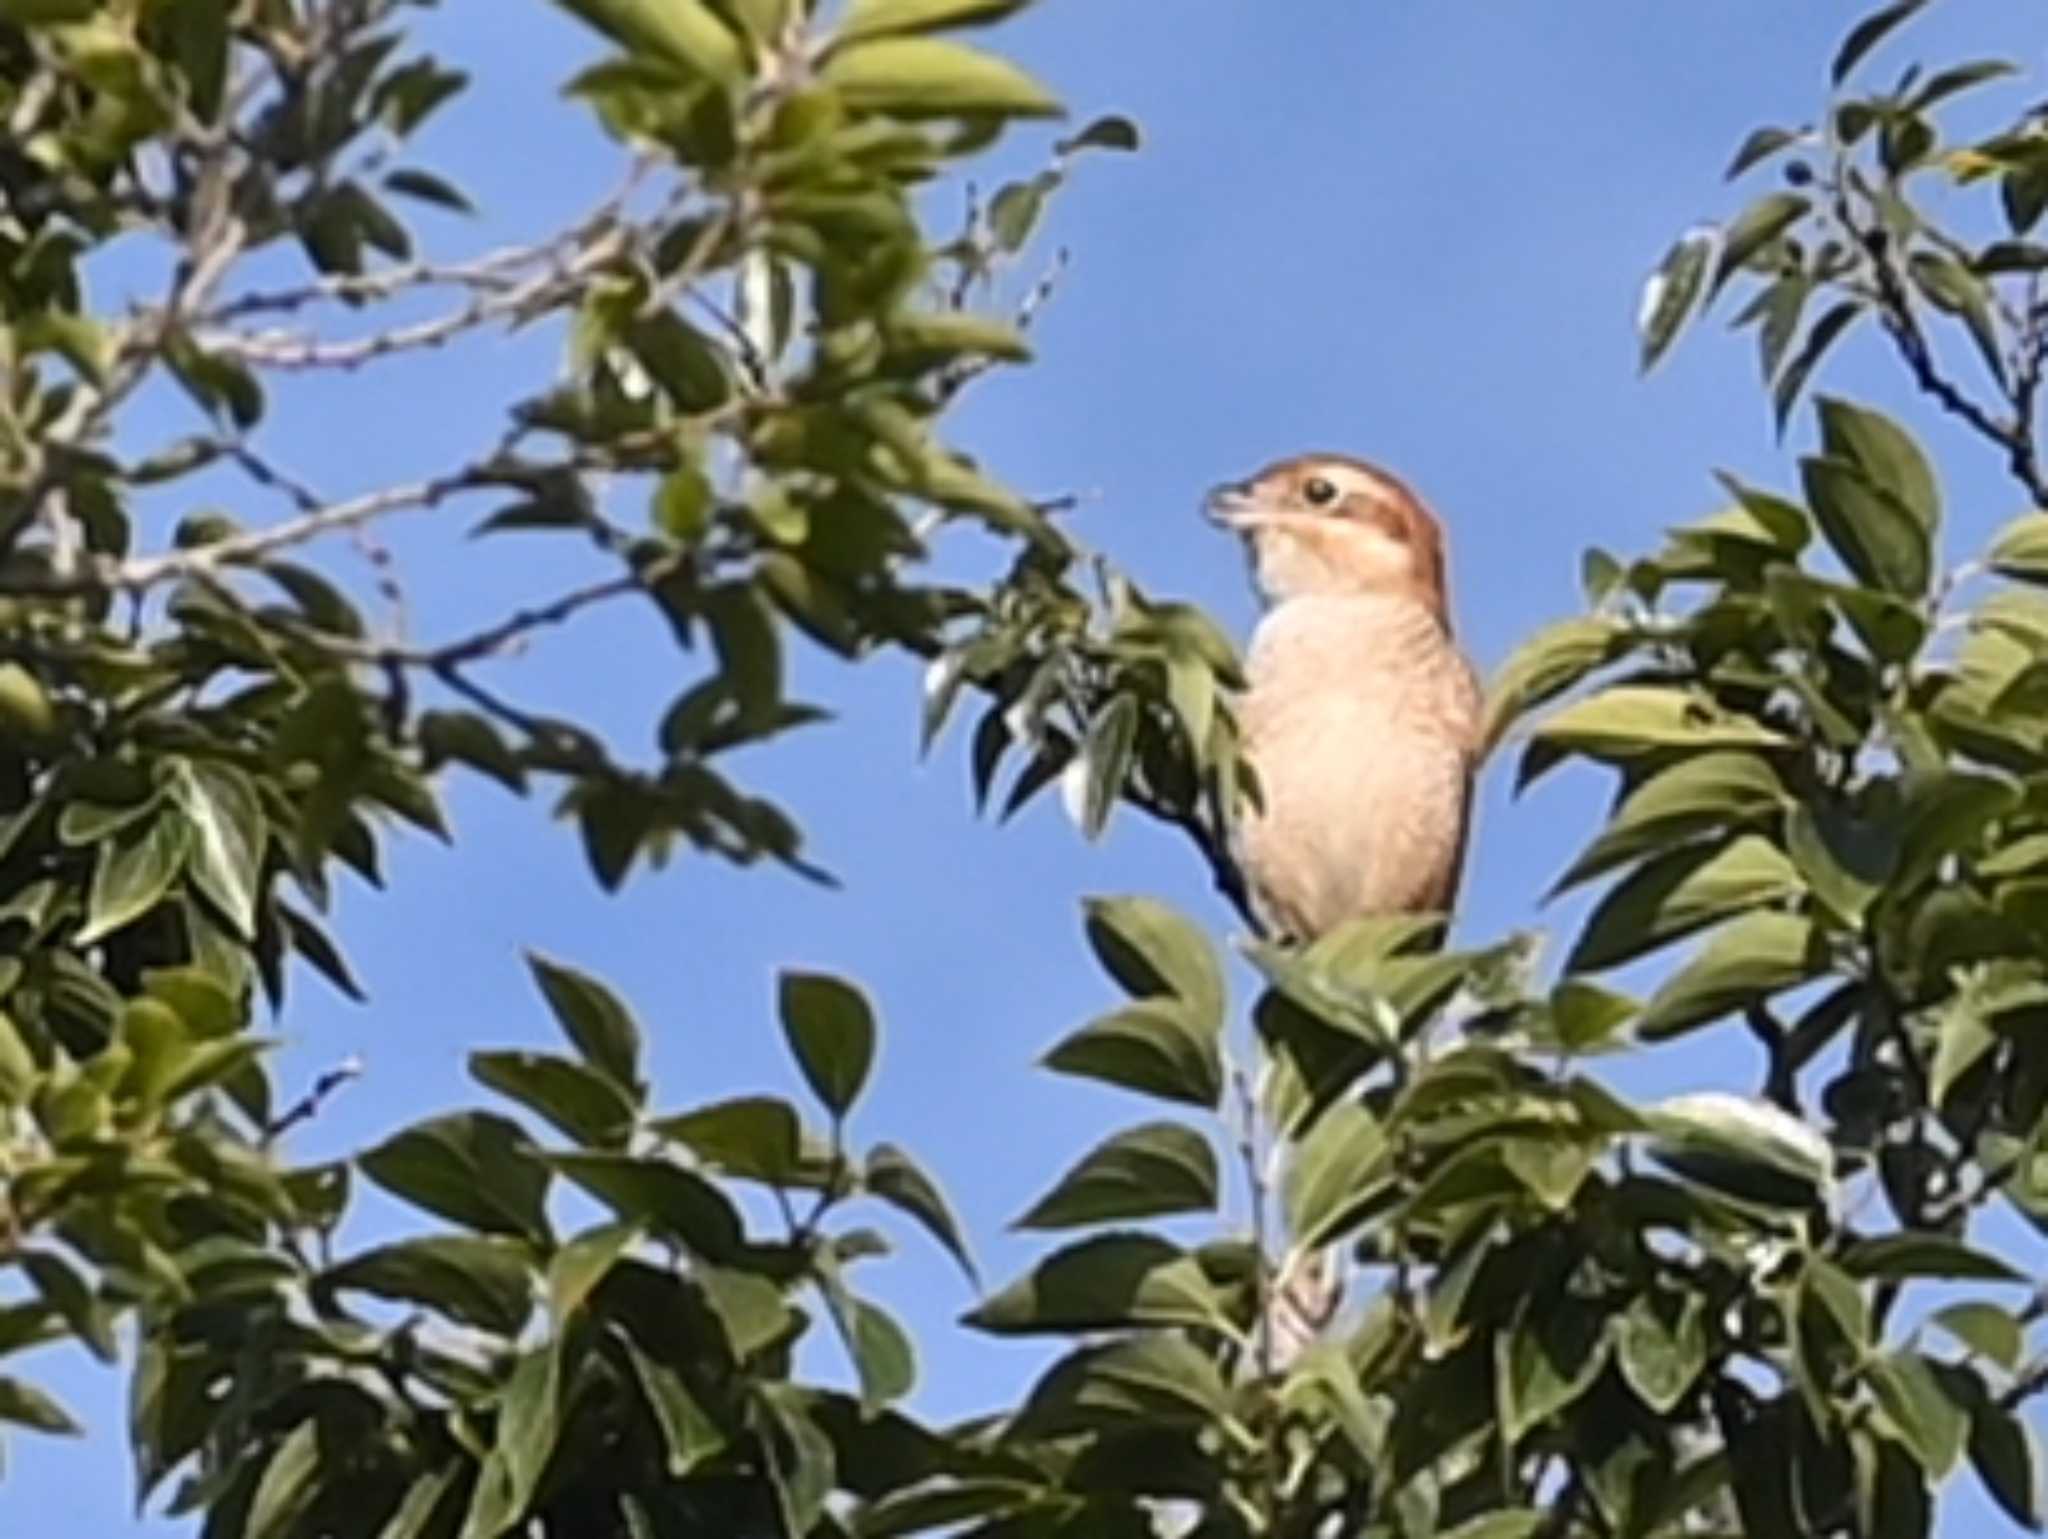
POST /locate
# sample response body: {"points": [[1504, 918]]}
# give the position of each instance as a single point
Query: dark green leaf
{"points": [[473, 1168], [1340, 1162], [1754, 957], [1867, 34], [687, 1432], [26, 1406], [586, 1105], [665, 1197], [595, 1020], [1884, 452], [1109, 1282], [1146, 1172], [1912, 1398], [831, 1030], [487, 1283], [1152, 1047], [1879, 538], [897, 1180], [1153, 951], [133, 874], [1899, 1256], [1678, 893]]}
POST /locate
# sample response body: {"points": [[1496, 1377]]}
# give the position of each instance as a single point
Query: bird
{"points": [[1360, 714]]}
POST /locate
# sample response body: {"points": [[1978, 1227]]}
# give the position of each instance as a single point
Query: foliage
{"points": [[1573, 1316]]}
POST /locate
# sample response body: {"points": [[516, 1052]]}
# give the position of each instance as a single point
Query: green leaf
{"points": [[1508, 1523], [1699, 793], [1661, 1357], [685, 33], [586, 1105], [1152, 951], [529, 1421], [1545, 1363], [1884, 452], [1992, 1333], [1932, 1425], [467, 737], [831, 1030], [1113, 132], [1962, 1037], [1754, 957], [421, 1506], [1879, 538], [26, 1406], [1744, 1147], [683, 502], [749, 653], [1107, 1282], [290, 1482], [801, 1460], [1146, 1172], [1628, 720], [1896, 1257], [1546, 665], [1553, 1168], [1759, 146], [687, 1431], [1104, 764], [883, 18], [1339, 1164], [662, 1195], [583, 1263], [755, 1137], [897, 1180], [954, 333], [882, 1354], [691, 369], [1678, 893], [749, 1307], [1152, 1047], [1867, 34], [472, 1168], [1831, 325], [1754, 229], [228, 839], [594, 1019], [412, 182], [2021, 549], [1153, 1380], [1672, 293], [133, 874], [487, 1283], [1584, 1016], [2003, 1452], [917, 77], [1846, 861]]}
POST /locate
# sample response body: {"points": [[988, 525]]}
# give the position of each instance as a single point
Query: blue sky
{"points": [[1412, 232]]}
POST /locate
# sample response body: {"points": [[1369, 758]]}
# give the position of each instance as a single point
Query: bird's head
{"points": [[1324, 524]]}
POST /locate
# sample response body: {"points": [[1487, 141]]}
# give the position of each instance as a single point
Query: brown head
{"points": [[1328, 524]]}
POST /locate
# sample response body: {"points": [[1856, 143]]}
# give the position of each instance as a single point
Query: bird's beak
{"points": [[1230, 504]]}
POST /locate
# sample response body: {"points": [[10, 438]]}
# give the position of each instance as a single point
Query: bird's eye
{"points": [[1320, 491]]}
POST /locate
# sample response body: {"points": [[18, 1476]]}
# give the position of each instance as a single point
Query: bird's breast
{"points": [[1360, 720]]}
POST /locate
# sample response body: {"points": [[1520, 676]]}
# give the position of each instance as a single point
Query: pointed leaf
{"points": [[1151, 1047], [897, 1179], [1146, 1172], [1152, 950], [831, 1030], [594, 1019]]}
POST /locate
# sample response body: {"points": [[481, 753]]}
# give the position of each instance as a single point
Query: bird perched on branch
{"points": [[1361, 717]]}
